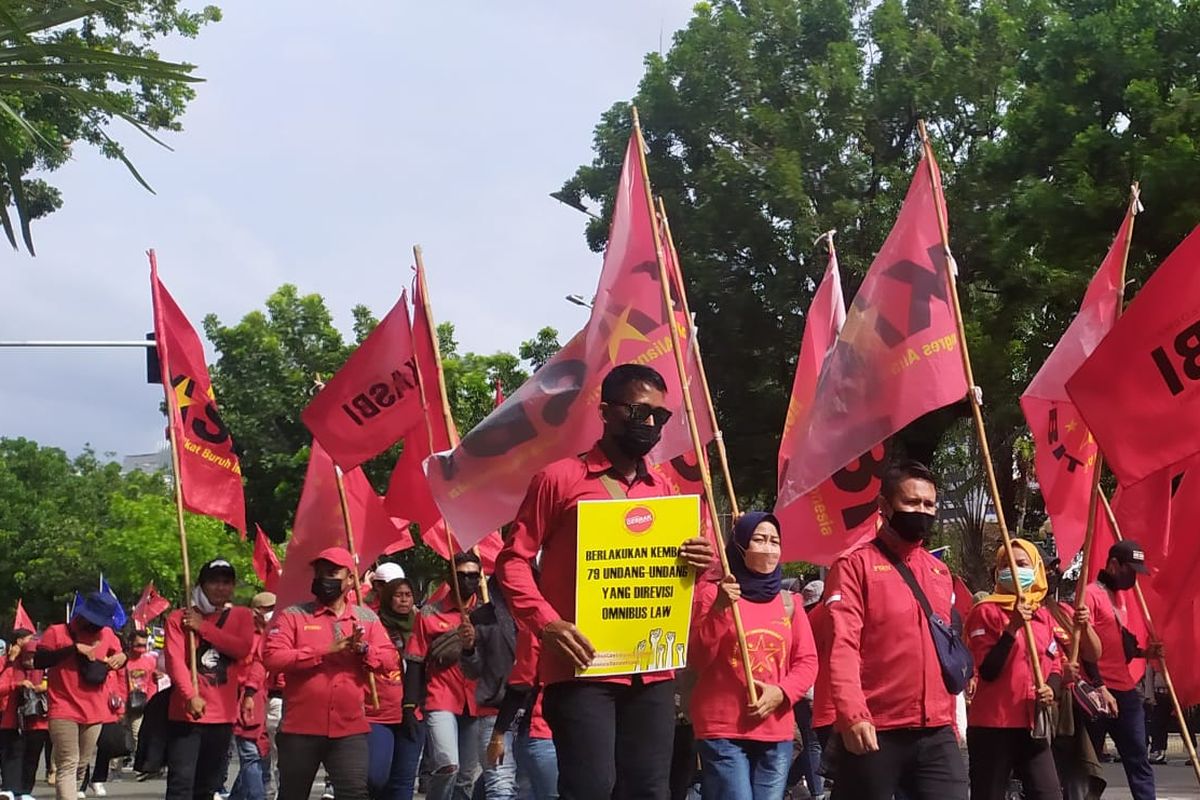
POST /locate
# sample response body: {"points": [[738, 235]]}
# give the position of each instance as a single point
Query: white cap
{"points": [[388, 572]]}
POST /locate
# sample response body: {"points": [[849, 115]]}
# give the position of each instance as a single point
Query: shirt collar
{"points": [[597, 463]]}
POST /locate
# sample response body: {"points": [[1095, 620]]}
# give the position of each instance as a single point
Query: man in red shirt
{"points": [[894, 714], [201, 714], [604, 728], [325, 650], [142, 672], [249, 730]]}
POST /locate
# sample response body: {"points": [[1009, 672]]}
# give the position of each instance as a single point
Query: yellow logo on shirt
{"points": [[883, 567]]}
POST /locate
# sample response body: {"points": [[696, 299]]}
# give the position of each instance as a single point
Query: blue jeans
{"points": [[392, 761], [740, 769], [1128, 731], [499, 782], [249, 784], [538, 761], [452, 748]]}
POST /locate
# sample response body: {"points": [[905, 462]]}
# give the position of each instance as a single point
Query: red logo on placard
{"points": [[639, 519]]}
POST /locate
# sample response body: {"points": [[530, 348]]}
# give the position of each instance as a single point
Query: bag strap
{"points": [[909, 578], [614, 489]]}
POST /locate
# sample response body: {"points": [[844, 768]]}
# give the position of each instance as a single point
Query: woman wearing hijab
{"points": [[394, 752], [1000, 722], [745, 750]]}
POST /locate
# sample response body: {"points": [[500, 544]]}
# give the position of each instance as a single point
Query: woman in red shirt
{"points": [[745, 746], [1003, 711], [23, 722], [78, 657]]}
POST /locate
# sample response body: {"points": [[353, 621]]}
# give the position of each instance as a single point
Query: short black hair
{"points": [[466, 558], [20, 633], [899, 471], [141, 634], [626, 375]]}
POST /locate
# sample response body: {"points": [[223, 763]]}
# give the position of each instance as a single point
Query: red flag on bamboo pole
{"points": [[1139, 391], [480, 484], [896, 357], [266, 563], [22, 619], [373, 400], [149, 606], [319, 524], [842, 510], [210, 476], [1065, 455]]}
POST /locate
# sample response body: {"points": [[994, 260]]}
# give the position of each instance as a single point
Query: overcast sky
{"points": [[321, 148]]}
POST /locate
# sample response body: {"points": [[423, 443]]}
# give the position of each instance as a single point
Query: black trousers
{"points": [[614, 741], [195, 752], [924, 763], [22, 752], [345, 761], [997, 754]]}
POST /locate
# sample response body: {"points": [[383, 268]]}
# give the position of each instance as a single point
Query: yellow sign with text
{"points": [[633, 593]]}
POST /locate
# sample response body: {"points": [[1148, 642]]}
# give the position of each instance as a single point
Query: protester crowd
{"points": [[859, 680]]}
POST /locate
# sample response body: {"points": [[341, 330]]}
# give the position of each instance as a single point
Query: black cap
{"points": [[1130, 552], [218, 567]]}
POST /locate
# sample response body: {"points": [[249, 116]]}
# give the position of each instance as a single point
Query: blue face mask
{"points": [[1025, 574]]}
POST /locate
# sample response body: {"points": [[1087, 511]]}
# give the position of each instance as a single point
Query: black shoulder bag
{"points": [[953, 655]]}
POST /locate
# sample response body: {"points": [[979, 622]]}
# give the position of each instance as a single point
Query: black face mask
{"points": [[1124, 580], [468, 584], [912, 526], [327, 590], [636, 440]]}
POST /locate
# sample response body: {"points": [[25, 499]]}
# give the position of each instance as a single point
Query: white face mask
{"points": [[200, 601], [267, 616]]}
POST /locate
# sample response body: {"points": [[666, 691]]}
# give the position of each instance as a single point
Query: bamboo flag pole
{"points": [[1094, 500], [976, 409], [448, 415], [697, 445], [358, 595], [718, 437], [1141, 598]]}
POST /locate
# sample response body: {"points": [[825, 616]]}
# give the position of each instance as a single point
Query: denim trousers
{"points": [[742, 769]]}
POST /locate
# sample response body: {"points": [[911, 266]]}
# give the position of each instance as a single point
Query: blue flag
{"points": [[119, 616]]}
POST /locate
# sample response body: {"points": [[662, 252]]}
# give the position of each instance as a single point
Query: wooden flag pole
{"points": [[451, 430], [1094, 501], [701, 456], [1141, 598], [358, 595], [976, 409], [718, 437]]}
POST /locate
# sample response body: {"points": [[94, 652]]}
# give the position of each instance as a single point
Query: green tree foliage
{"points": [[540, 349], [65, 521], [67, 70], [771, 121]]}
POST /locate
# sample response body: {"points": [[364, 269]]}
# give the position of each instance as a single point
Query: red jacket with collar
{"points": [[883, 667]]}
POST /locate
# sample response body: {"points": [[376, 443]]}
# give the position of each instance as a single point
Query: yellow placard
{"points": [[633, 593]]}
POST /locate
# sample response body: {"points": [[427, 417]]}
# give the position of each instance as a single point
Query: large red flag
{"points": [[22, 619], [897, 356], [480, 484], [210, 476], [373, 399], [319, 524], [149, 606], [1065, 455], [820, 524], [1139, 392], [266, 563]]}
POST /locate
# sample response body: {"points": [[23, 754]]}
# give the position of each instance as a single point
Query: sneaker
{"points": [[25, 797], [1158, 757], [81, 795], [99, 790], [328, 793]]}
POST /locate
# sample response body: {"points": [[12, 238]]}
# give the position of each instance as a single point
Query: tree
{"points": [[770, 121], [539, 350], [67, 69]]}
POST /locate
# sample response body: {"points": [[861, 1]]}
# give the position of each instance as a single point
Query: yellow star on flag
{"points": [[1071, 426], [622, 331], [182, 397]]}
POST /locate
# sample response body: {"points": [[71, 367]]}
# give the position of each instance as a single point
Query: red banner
{"points": [[149, 606], [209, 473], [22, 619], [266, 563]]}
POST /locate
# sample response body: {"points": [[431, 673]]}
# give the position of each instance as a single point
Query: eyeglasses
{"points": [[640, 412]]}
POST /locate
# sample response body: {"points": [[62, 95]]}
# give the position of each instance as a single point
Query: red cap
{"points": [[336, 555]]}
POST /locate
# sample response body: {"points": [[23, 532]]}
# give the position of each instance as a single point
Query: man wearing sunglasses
{"points": [[613, 732]]}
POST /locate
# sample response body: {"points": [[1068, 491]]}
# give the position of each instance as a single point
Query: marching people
{"points": [[807, 763], [1126, 722], [534, 751], [488, 664], [615, 730], [249, 728], [201, 715], [895, 711], [394, 751], [380, 577], [78, 657], [325, 650], [746, 751], [141, 671], [435, 685], [1003, 738], [24, 726]]}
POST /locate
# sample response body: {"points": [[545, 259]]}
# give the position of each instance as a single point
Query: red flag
{"points": [[480, 484], [897, 356], [842, 511], [22, 619], [1065, 455], [319, 524], [373, 399], [1139, 392], [149, 606], [499, 395], [210, 476], [266, 563]]}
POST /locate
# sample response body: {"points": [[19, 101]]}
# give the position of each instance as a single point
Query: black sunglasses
{"points": [[640, 412]]}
